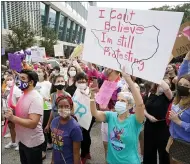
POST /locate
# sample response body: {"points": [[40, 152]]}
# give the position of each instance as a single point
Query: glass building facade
{"points": [[52, 17], [42, 12], [69, 29]]}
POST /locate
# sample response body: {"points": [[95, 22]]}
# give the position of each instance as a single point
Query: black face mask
{"points": [[59, 87], [183, 91]]}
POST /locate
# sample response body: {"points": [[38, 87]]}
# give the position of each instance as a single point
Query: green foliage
{"points": [[21, 37], [179, 8], [49, 39]]}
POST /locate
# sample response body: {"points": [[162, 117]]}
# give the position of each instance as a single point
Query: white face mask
{"points": [[82, 86], [10, 83], [72, 73], [64, 112], [120, 107]]}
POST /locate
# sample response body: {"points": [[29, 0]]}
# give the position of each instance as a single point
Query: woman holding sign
{"points": [[124, 129]]}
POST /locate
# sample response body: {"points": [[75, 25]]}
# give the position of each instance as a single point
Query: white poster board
{"points": [[140, 40], [82, 109], [38, 54], [58, 50]]}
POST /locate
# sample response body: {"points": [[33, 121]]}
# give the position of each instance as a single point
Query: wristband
{"points": [[92, 100]]}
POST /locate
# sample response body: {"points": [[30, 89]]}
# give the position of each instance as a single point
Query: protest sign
{"points": [[2, 51], [140, 40], [38, 54], [182, 43], [15, 61], [58, 50], [105, 93], [77, 51], [82, 109]]}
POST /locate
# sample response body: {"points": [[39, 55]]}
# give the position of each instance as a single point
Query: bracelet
{"points": [[92, 100]]}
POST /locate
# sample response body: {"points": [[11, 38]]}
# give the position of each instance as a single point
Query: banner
{"points": [[140, 40], [182, 43], [82, 109], [58, 50], [15, 61], [38, 54]]}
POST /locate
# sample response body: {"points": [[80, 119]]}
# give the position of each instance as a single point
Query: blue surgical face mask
{"points": [[120, 107], [22, 85]]}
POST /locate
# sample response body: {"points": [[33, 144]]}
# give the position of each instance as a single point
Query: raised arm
{"points": [[185, 66], [137, 97], [99, 115], [167, 90]]}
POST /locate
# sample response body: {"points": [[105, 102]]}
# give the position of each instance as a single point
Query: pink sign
{"points": [[105, 93]]}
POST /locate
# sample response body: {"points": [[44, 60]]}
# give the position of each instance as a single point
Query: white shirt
{"points": [[44, 89], [16, 94]]}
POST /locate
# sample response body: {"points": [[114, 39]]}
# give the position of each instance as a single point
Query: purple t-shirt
{"points": [[63, 137]]}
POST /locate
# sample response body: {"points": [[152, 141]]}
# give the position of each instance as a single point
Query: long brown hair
{"points": [[154, 89], [185, 103]]}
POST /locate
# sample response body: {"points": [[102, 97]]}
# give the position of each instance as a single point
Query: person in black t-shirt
{"points": [[156, 131], [71, 87]]}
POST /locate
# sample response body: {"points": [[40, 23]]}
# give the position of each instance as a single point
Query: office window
{"points": [[78, 35], [52, 17], [68, 29], [42, 12], [81, 35], [73, 35], [61, 27]]}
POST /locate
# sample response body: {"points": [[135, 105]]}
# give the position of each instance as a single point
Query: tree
{"points": [[49, 39], [21, 37], [179, 8]]}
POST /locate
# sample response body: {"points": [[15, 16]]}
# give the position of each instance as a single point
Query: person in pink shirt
{"points": [[28, 119]]}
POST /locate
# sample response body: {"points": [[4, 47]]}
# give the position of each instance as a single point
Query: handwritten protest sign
{"points": [[105, 93], [82, 109], [182, 43], [140, 40], [58, 50], [15, 61], [38, 54]]}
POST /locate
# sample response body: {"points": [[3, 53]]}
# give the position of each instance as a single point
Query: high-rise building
{"points": [[15, 11], [68, 19]]}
